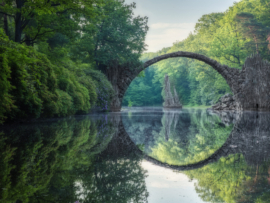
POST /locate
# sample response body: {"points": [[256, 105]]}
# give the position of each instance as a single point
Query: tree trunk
{"points": [[112, 75], [28, 40], [18, 21], [6, 24], [5, 21], [256, 176], [256, 42]]}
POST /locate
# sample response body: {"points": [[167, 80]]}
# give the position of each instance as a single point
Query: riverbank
{"points": [[197, 107]]}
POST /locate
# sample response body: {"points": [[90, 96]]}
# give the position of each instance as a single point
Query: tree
{"points": [[116, 37], [251, 28], [142, 91], [208, 23], [27, 15]]}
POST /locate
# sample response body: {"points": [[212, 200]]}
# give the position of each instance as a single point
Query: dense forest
{"points": [[54, 55], [228, 37]]}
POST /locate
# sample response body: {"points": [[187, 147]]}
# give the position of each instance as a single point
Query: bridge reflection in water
{"points": [[98, 158], [237, 171], [249, 136]]}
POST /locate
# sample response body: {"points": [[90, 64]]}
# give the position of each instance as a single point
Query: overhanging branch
{"points": [[7, 14]]}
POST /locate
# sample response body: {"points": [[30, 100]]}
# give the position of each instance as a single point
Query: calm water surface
{"points": [[138, 155]]}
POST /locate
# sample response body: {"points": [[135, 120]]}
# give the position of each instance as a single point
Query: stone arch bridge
{"points": [[250, 85], [250, 137]]}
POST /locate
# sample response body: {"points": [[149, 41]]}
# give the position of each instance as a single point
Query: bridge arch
{"points": [[126, 75]]}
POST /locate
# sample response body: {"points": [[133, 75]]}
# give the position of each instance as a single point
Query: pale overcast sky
{"points": [[173, 20]]}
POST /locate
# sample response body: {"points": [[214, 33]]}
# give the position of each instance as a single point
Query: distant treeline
{"points": [[54, 55], [227, 37]]}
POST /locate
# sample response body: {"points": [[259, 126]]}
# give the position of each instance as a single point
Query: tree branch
{"points": [[28, 20], [68, 9], [221, 42], [55, 4], [230, 59], [37, 35], [7, 14]]}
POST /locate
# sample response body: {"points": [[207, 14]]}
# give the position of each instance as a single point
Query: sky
{"points": [[172, 20]]}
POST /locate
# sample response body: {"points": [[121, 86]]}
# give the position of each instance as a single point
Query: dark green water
{"points": [[138, 155]]}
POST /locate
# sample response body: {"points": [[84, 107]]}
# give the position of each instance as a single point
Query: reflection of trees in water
{"points": [[231, 179], [33, 157], [74, 159], [142, 128], [193, 139], [117, 180], [62, 162], [118, 175], [182, 137], [244, 175]]}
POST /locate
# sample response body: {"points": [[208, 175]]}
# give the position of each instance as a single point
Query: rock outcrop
{"points": [[170, 101], [226, 102]]}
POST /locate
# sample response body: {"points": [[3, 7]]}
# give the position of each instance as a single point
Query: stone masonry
{"points": [[226, 102], [250, 85]]}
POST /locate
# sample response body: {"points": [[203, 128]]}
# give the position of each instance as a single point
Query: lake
{"points": [[145, 154]]}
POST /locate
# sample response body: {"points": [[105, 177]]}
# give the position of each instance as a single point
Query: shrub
{"points": [[28, 82], [32, 86], [104, 88]]}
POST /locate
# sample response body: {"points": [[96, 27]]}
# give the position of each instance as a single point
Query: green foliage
{"points": [[32, 78], [227, 37], [130, 103], [232, 180], [67, 43], [38, 20], [104, 89], [32, 86], [142, 90], [117, 36], [69, 83], [252, 29], [6, 102]]}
